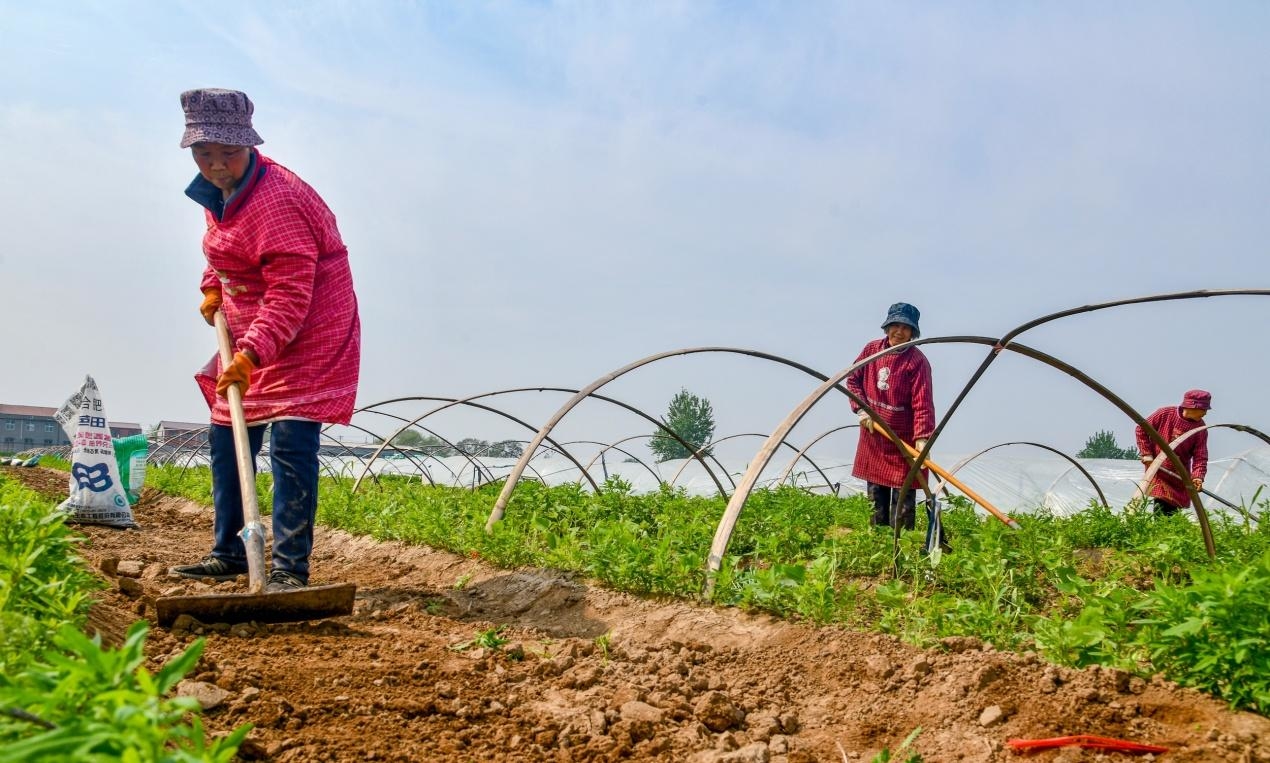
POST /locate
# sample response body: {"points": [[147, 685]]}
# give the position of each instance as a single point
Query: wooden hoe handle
{"points": [[947, 477]]}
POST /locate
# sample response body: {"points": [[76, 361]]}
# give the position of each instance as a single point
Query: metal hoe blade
{"points": [[311, 603]]}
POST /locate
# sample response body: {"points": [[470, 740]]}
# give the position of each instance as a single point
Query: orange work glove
{"points": [[211, 303], [239, 372]]}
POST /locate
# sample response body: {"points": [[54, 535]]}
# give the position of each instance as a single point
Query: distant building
{"points": [[124, 429], [23, 427], [180, 433]]}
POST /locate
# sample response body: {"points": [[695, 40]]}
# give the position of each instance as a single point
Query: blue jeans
{"points": [[293, 455]]}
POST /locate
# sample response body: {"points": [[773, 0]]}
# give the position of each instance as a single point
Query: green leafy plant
{"points": [[43, 584], [490, 638], [884, 756], [912, 757], [604, 642], [1213, 634], [86, 703], [1069, 586]]}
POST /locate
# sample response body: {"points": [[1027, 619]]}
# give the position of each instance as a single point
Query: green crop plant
{"points": [[83, 702], [62, 695], [604, 643], [884, 756], [490, 638], [43, 583], [1068, 586], [1213, 634]]}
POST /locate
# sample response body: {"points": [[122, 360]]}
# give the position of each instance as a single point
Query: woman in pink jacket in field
{"points": [[898, 387], [1172, 421], [278, 270]]}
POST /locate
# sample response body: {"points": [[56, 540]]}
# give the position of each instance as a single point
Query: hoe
{"points": [[256, 604]]}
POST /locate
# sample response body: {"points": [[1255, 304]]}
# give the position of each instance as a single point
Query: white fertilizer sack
{"points": [[97, 495]]}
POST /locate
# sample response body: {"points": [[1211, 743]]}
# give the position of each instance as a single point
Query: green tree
{"points": [[1102, 444], [429, 444], [688, 416], [408, 438], [506, 449], [473, 446]]}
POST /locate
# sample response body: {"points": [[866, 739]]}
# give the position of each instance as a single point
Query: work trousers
{"points": [[885, 510], [293, 457]]}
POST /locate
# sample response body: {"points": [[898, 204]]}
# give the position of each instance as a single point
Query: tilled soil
{"points": [[590, 674]]}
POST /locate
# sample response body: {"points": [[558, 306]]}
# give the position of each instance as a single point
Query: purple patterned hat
{"points": [[1197, 398], [213, 115]]}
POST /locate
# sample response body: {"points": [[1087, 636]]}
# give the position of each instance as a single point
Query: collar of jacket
{"points": [[886, 345], [210, 198]]}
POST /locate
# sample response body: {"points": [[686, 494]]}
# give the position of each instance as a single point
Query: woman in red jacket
{"points": [[898, 387], [1172, 421], [278, 270]]}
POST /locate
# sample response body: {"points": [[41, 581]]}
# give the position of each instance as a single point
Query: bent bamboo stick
{"points": [[950, 479]]}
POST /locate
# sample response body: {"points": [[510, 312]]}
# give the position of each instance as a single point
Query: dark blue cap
{"points": [[903, 312]]}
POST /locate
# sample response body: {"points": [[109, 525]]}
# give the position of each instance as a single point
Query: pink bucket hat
{"points": [[1197, 398], [213, 115]]}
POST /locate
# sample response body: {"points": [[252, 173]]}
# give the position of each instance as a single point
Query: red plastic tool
{"points": [[1085, 740]]}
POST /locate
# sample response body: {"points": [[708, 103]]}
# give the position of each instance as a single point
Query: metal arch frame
{"points": [[1241, 428], [179, 448], [702, 451], [345, 448], [183, 448], [603, 398], [1009, 337], [794, 461], [56, 451], [797, 454], [370, 433], [490, 472], [541, 477], [966, 461], [479, 468], [1158, 463], [537, 442], [500, 505], [698, 456], [541, 450], [477, 465], [389, 442], [479, 471], [258, 463], [606, 447], [661, 425], [730, 515], [449, 402], [613, 446]]}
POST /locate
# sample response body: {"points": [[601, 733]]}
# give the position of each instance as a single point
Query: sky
{"points": [[539, 193]]}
